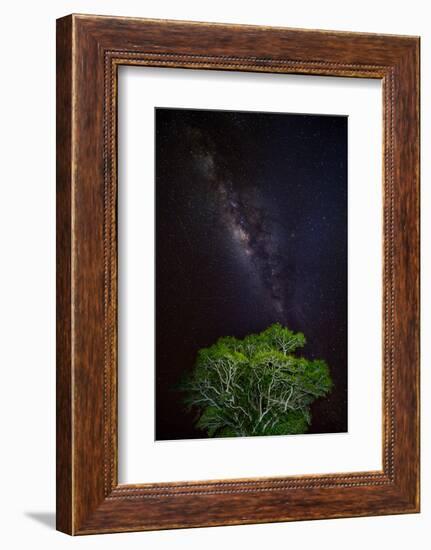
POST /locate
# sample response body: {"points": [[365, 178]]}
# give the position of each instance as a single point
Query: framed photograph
{"points": [[237, 274]]}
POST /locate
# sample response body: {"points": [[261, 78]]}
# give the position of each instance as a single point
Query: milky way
{"points": [[248, 224]]}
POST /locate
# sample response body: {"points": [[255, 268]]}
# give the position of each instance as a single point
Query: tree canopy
{"points": [[255, 386]]}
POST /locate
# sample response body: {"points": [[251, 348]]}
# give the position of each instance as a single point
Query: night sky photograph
{"points": [[251, 230]]}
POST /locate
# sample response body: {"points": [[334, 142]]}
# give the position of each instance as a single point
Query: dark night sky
{"points": [[251, 228]]}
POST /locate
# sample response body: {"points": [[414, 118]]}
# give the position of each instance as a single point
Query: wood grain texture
{"points": [[90, 49], [64, 497]]}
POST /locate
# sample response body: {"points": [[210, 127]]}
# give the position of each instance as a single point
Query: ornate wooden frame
{"points": [[89, 51]]}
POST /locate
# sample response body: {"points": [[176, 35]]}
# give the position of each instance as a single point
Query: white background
{"points": [[27, 240], [141, 459]]}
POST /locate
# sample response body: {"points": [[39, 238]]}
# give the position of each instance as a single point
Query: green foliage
{"points": [[255, 386]]}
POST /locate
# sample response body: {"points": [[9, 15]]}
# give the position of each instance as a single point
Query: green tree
{"points": [[255, 386]]}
